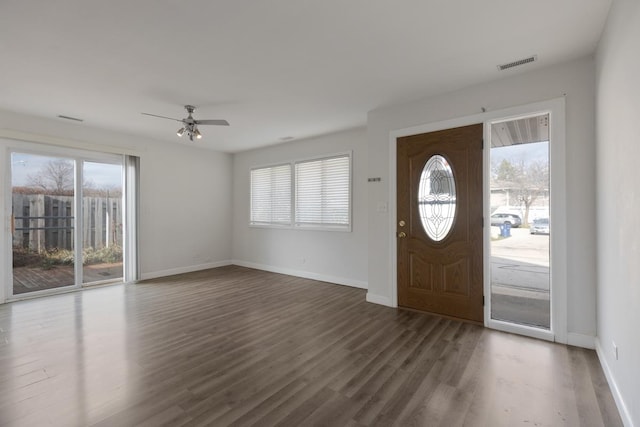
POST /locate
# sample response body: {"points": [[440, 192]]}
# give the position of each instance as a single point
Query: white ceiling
{"points": [[272, 68]]}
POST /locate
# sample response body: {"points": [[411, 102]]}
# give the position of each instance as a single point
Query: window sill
{"points": [[344, 229]]}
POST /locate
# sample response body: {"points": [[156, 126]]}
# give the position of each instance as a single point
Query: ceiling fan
{"points": [[191, 124]]}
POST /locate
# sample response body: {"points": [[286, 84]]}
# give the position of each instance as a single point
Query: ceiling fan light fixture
{"points": [[190, 125]]}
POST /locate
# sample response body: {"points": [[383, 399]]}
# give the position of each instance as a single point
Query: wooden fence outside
{"points": [[45, 222]]}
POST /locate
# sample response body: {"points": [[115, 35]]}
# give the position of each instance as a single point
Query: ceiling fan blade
{"points": [[212, 122], [162, 117]]}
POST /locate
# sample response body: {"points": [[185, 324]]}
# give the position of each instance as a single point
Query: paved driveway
{"points": [[520, 278]]}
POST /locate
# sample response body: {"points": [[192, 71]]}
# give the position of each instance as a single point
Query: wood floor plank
{"points": [[236, 346]]}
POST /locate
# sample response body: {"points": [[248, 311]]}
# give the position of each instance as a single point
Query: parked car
{"points": [[502, 218], [540, 226]]}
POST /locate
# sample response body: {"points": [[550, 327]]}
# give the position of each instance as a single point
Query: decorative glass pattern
{"points": [[437, 198]]}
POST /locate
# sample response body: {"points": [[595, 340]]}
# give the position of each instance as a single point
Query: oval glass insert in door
{"points": [[437, 198]]}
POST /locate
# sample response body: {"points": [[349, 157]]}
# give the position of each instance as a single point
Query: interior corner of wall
{"points": [[379, 299], [581, 340]]}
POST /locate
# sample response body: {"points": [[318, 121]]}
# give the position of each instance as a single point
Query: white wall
{"points": [[185, 195], [335, 256], [576, 80], [185, 199], [618, 154]]}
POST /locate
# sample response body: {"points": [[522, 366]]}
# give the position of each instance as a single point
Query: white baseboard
{"points": [[181, 270], [581, 340], [304, 274], [378, 299], [615, 391]]}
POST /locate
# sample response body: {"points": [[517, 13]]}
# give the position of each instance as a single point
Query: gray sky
{"points": [[100, 174], [536, 151]]}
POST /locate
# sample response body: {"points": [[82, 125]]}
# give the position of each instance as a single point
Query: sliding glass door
{"points": [[66, 221], [102, 233], [43, 222]]}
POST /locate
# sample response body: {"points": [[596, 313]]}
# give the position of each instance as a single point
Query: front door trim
{"points": [[556, 109]]}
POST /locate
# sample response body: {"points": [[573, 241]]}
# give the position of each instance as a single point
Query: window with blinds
{"points": [[321, 197], [271, 195], [323, 192]]}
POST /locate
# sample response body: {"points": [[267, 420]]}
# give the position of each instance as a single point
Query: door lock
{"points": [[402, 234]]}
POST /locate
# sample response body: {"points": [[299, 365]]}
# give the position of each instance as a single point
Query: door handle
{"points": [[402, 234]]}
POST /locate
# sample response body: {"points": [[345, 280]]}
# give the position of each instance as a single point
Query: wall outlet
{"points": [[615, 350]]}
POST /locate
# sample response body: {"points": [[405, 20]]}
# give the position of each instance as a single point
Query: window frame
{"points": [[293, 225]]}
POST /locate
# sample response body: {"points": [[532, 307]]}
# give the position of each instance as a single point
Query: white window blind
{"points": [[323, 192], [271, 195]]}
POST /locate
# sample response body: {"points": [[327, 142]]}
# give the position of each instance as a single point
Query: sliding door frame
{"points": [[78, 156]]}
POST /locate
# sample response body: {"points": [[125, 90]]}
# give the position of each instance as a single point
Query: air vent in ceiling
{"points": [[70, 118], [518, 63]]}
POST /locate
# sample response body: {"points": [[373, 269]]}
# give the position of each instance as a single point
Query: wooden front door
{"points": [[439, 225]]}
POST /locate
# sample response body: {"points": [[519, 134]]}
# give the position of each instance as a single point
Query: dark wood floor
{"points": [[235, 346]]}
